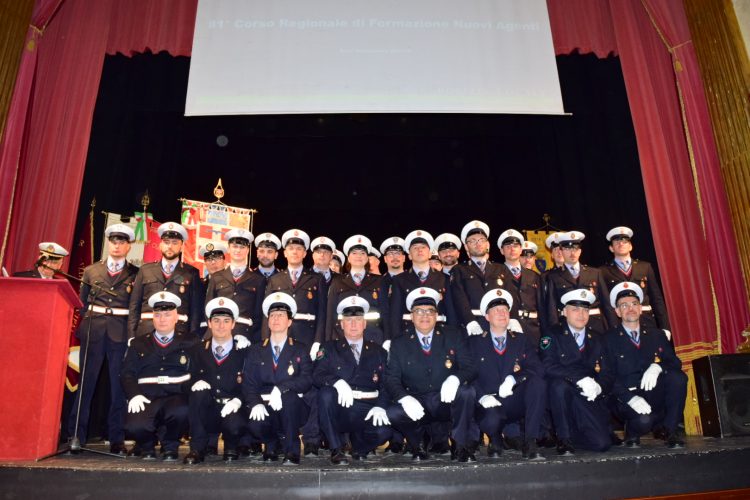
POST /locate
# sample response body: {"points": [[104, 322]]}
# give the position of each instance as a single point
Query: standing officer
{"points": [[510, 382], [156, 378], [105, 321], [573, 275], [394, 255], [528, 255], [429, 374], [337, 262], [553, 244], [524, 286], [276, 373], [418, 244], [579, 377], [373, 259], [239, 283], [172, 275], [359, 281], [471, 280], [623, 268], [349, 375], [448, 247], [215, 398], [50, 260], [649, 385], [322, 253], [213, 255], [267, 250]]}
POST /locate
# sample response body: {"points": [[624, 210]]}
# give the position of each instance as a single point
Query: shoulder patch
{"points": [[545, 342]]}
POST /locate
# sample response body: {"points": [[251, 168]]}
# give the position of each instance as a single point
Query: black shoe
{"points": [[211, 451], [270, 457], [531, 452], [311, 449], [494, 451], [633, 442], [565, 448], [256, 449], [291, 459], [230, 455], [418, 454], [192, 458], [395, 447], [169, 456], [546, 442], [674, 442], [513, 443], [616, 441], [440, 449], [118, 449], [148, 455], [338, 457], [661, 433], [464, 456], [359, 457]]}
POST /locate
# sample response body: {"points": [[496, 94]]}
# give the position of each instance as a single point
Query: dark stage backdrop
{"points": [[376, 174]]}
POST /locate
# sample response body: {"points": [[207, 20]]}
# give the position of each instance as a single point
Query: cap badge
{"points": [[499, 292], [359, 240], [573, 235], [296, 233], [422, 291], [625, 285], [221, 302], [419, 233], [171, 226], [583, 294], [162, 296], [210, 247], [476, 223], [50, 248]]}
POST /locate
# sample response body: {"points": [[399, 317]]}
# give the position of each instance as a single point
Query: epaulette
{"points": [[265, 342], [207, 345]]}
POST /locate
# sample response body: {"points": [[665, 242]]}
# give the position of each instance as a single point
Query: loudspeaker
{"points": [[723, 386]]}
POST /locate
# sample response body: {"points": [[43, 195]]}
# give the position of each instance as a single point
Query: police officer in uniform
{"points": [[418, 243], [649, 387], [172, 275], [429, 375], [213, 255], [553, 244], [359, 281], [510, 382], [579, 377], [215, 398], [276, 372], [267, 250], [524, 286], [50, 260], [349, 375], [394, 255], [623, 268], [322, 253], [448, 247], [156, 379], [528, 256], [105, 321], [337, 262], [573, 275]]}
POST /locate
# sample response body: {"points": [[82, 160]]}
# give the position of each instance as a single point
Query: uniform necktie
{"points": [[293, 275], [276, 354], [426, 344], [168, 269], [164, 340], [481, 265], [500, 344], [357, 278], [219, 353], [422, 276], [113, 267], [579, 339], [355, 351], [634, 337], [624, 265], [516, 271], [573, 270], [237, 272], [267, 274]]}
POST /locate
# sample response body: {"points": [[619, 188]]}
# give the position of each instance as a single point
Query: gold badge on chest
{"points": [[183, 360], [290, 371], [448, 364]]}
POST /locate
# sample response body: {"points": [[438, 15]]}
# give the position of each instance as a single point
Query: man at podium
{"points": [[50, 260]]}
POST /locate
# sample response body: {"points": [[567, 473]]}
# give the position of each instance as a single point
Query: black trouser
{"points": [[335, 420], [168, 412], [279, 431], [205, 420]]}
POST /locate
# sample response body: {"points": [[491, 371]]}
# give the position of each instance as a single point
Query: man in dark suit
{"points": [[579, 377], [448, 248], [394, 255], [156, 378], [510, 384], [103, 332], [267, 250], [429, 375], [277, 372], [50, 260], [649, 387], [624, 268], [573, 275], [170, 274], [215, 398], [322, 252], [349, 374]]}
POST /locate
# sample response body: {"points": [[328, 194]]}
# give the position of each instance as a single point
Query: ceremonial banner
{"points": [[208, 222], [543, 257], [145, 248]]}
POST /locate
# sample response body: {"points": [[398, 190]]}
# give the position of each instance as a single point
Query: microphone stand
{"points": [[74, 445]]}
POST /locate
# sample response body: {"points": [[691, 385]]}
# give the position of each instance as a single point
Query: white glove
{"points": [[648, 381], [489, 401], [231, 406], [200, 385], [138, 404], [449, 389], [668, 334], [258, 412], [275, 401], [346, 396], [378, 416], [590, 389], [514, 326], [242, 341], [412, 407], [474, 328], [314, 350], [387, 345], [130, 340], [640, 405], [506, 388]]}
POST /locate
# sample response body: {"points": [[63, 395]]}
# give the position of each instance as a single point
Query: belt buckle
{"points": [[108, 310], [161, 379]]}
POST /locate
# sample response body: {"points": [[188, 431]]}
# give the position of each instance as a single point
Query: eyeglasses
{"points": [[571, 249], [394, 253], [424, 312], [476, 241], [628, 305]]}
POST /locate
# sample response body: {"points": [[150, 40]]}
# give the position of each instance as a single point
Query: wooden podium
{"points": [[35, 319]]}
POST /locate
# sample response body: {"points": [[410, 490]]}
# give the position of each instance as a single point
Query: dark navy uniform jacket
{"points": [[184, 282], [372, 290], [293, 373], [309, 295], [468, 286], [248, 292], [412, 372], [225, 377], [527, 298], [114, 327], [562, 359], [335, 361], [407, 281], [560, 281], [642, 274], [629, 361], [144, 358], [519, 359], [33, 273]]}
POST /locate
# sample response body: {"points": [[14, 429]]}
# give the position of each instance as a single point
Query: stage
{"points": [[705, 464]]}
